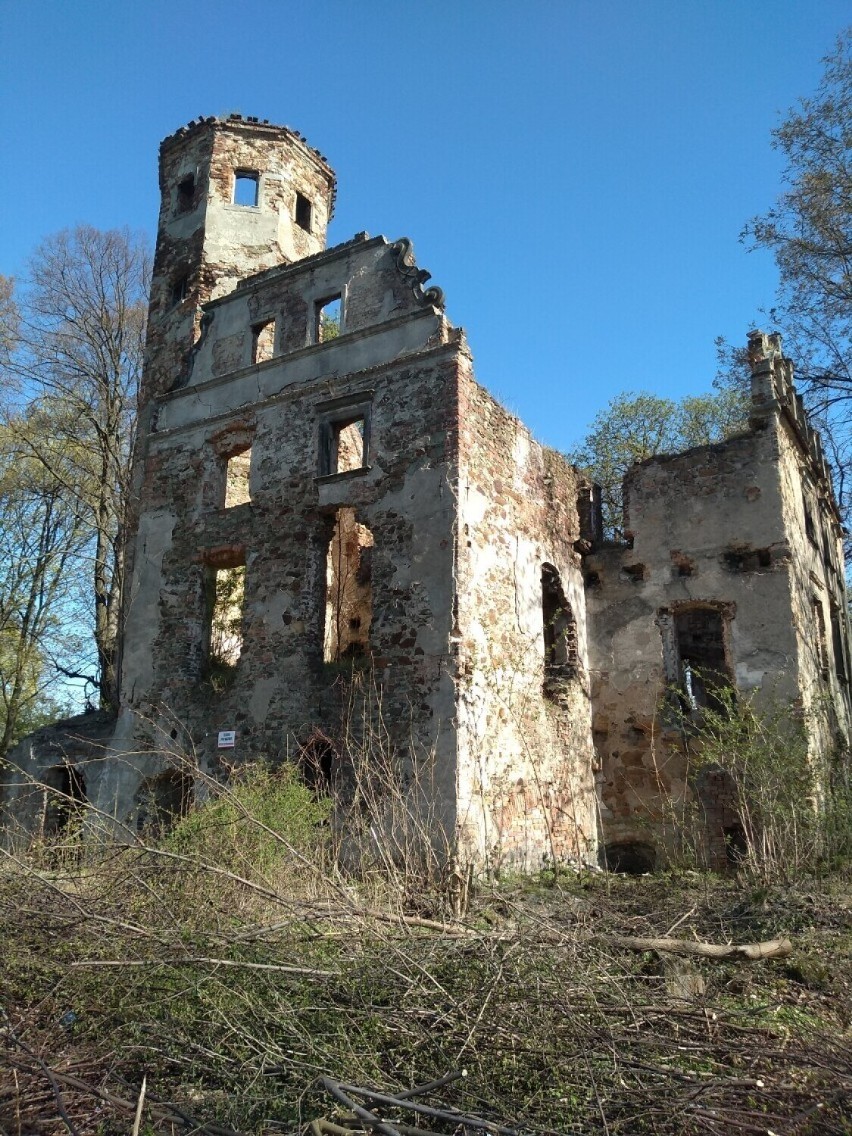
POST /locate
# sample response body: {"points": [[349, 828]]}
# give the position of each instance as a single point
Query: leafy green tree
{"points": [[634, 427], [809, 232]]}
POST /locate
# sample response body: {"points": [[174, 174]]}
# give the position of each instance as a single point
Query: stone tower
{"points": [[237, 195]]}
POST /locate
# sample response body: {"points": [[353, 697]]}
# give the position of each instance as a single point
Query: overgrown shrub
{"points": [[259, 819], [791, 815]]}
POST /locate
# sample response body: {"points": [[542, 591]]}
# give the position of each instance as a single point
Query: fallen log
{"points": [[772, 948]]}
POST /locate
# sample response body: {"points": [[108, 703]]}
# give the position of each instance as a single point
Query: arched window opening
{"points": [[349, 589], [560, 632]]}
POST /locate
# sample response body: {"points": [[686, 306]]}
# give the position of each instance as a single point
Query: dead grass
{"points": [[234, 979]]}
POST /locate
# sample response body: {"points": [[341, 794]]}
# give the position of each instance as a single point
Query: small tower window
{"points": [[180, 289], [247, 188], [186, 193], [304, 212]]}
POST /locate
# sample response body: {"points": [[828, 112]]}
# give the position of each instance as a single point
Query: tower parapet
{"points": [[237, 195]]}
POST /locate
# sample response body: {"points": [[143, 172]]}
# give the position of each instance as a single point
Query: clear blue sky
{"points": [[574, 174]]}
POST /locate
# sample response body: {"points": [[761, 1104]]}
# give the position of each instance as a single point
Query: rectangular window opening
{"points": [[262, 341], [810, 530], [180, 289], [349, 589], [704, 671], [837, 644], [347, 445], [237, 479], [226, 600], [246, 188], [328, 319], [304, 212], [821, 641], [344, 438], [186, 193]]}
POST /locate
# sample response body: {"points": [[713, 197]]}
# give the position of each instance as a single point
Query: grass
{"points": [[232, 966]]}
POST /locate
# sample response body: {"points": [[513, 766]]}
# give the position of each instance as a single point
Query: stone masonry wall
{"points": [[719, 536], [282, 409], [525, 756], [708, 536]]}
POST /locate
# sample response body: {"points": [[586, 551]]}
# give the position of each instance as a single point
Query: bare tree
{"points": [[42, 535], [77, 356], [809, 232]]}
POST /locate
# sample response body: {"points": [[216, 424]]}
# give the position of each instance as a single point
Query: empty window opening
{"points": [[347, 445], [560, 631], [741, 558], [186, 193], [810, 531], [304, 212], [246, 187], [821, 641], [343, 444], [180, 289], [226, 599], [328, 319], [162, 801], [262, 341], [634, 572], [590, 514], [349, 589], [237, 479], [704, 672], [837, 643], [64, 798]]}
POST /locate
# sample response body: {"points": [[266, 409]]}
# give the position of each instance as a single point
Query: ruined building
{"points": [[341, 540]]}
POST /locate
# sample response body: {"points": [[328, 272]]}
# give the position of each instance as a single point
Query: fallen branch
{"points": [[165, 1112], [344, 1093], [772, 948], [302, 971]]}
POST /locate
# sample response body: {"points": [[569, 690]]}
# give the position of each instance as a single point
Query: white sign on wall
{"points": [[227, 739]]}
